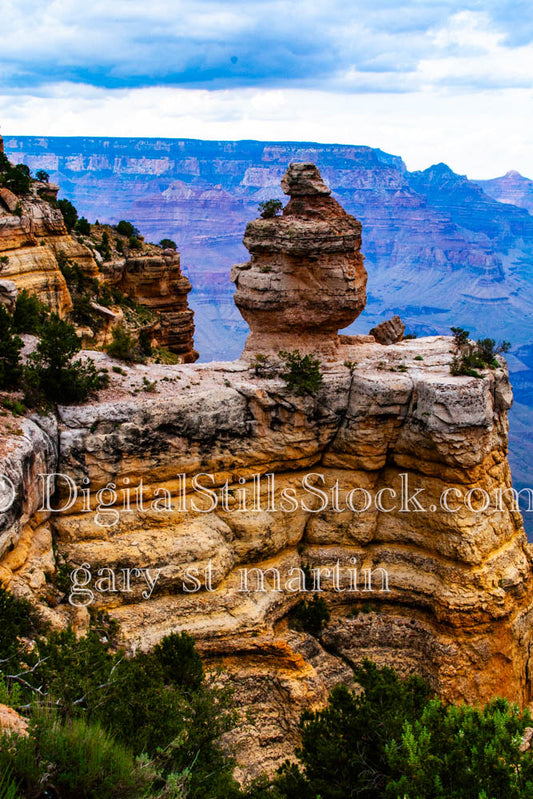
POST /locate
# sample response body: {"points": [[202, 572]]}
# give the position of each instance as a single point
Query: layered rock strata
{"points": [[306, 277], [458, 606], [389, 489], [32, 236], [156, 282]]}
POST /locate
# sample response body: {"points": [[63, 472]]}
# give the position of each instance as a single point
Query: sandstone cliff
{"points": [[35, 246], [306, 278], [32, 236], [459, 602], [156, 282]]}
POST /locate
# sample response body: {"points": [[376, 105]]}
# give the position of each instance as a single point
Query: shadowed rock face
{"points": [[306, 278]]}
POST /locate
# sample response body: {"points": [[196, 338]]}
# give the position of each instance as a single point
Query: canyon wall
{"points": [[35, 247], [346, 483], [441, 250], [32, 236]]}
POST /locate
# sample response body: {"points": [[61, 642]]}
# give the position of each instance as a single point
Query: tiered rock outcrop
{"points": [[156, 282], [418, 573], [32, 235], [34, 240], [306, 277]]}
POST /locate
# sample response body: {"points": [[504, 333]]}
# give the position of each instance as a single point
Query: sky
{"points": [[430, 80]]}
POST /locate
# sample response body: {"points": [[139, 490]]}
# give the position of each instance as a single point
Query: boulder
{"points": [[389, 332], [8, 294]]}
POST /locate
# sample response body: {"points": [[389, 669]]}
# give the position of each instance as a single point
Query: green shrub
{"points": [[162, 355], [10, 347], [17, 620], [270, 208], [77, 281], [42, 175], [29, 313], [262, 365], [83, 226], [52, 375], [168, 244], [75, 757], [394, 740], [17, 178], [145, 340], [344, 746], [460, 336], [124, 346], [83, 312], [488, 350], [462, 752], [155, 703], [309, 615], [126, 229], [70, 215], [134, 243], [468, 357], [180, 662], [15, 406], [302, 373]]}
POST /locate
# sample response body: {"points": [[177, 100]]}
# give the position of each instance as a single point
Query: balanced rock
{"points": [[306, 278], [389, 332]]}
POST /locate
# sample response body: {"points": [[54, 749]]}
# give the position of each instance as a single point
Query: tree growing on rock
{"points": [[270, 208]]}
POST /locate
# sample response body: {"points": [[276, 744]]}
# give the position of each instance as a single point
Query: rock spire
{"points": [[306, 278]]}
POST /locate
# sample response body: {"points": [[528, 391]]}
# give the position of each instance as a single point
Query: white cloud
{"points": [[479, 56], [482, 134]]}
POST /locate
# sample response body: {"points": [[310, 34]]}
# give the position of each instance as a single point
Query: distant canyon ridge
{"points": [[440, 250]]}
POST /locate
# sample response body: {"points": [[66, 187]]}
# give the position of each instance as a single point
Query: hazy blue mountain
{"points": [[440, 249], [511, 188]]}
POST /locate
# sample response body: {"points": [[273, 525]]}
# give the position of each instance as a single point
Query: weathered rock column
{"points": [[156, 282], [306, 278]]}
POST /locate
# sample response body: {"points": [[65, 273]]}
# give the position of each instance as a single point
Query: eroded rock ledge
{"points": [[459, 603], [459, 606]]}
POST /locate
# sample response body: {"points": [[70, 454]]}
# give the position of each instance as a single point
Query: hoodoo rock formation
{"points": [[391, 463], [306, 278]]}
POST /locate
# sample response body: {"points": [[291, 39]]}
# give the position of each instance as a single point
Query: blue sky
{"points": [[429, 80]]}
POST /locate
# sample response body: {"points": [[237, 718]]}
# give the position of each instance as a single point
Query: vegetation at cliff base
{"points": [[471, 356], [394, 740], [103, 724]]}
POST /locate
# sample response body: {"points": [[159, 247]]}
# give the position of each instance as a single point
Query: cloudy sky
{"points": [[430, 80]]}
